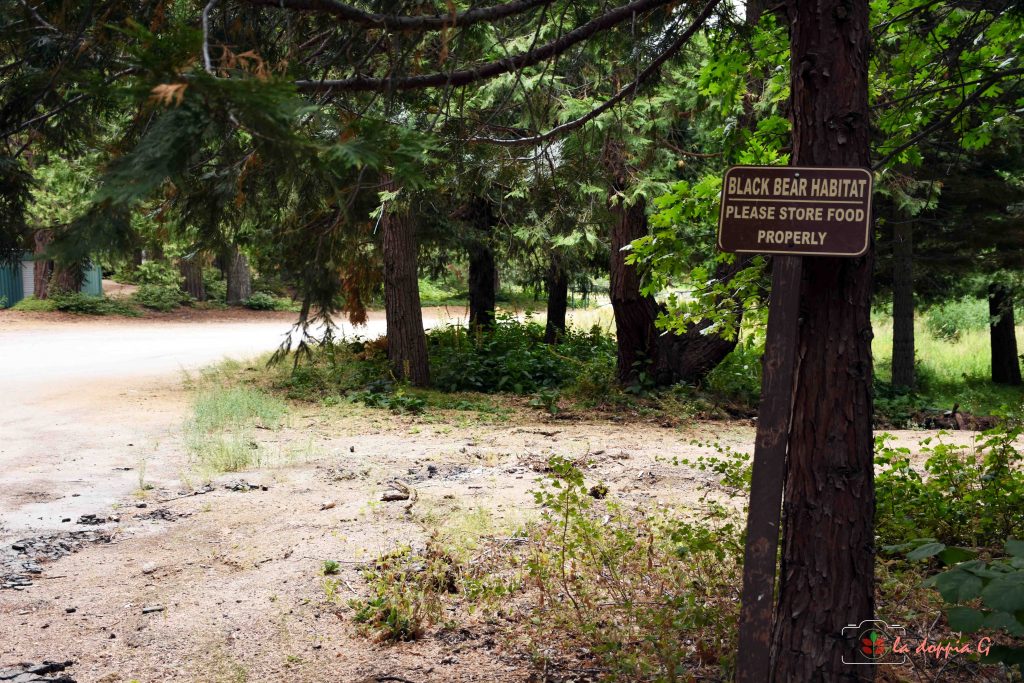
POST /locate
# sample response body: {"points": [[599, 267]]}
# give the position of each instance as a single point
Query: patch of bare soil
{"points": [[221, 581]]}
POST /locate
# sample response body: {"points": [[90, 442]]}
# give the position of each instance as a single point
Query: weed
{"points": [[330, 567], [967, 495], [650, 597], [219, 434]]}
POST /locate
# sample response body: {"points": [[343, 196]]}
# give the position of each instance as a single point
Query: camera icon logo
{"points": [[872, 643]]}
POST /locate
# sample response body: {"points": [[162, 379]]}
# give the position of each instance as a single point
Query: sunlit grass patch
{"points": [[220, 436], [951, 369], [238, 407]]}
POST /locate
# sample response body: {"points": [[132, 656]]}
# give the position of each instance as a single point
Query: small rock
{"points": [[327, 505], [149, 568], [142, 505], [70, 610]]}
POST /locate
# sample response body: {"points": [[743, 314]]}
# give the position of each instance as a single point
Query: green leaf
{"points": [[1004, 621], [1015, 547], [951, 556], [1005, 593], [926, 550], [958, 586], [1007, 655], [965, 619]]}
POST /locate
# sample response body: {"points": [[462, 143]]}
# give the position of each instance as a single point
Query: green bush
{"points": [[157, 273], [738, 376], [966, 495], [86, 304], [950, 320], [215, 284], [32, 304], [512, 357], [161, 297], [261, 301], [159, 287]]}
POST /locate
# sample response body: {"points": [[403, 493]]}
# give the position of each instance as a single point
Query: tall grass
{"points": [[219, 437], [952, 368]]}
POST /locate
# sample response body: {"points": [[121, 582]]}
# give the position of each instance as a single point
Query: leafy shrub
{"points": [[159, 287], [215, 284], [968, 495], [406, 587], [261, 301], [32, 304], [651, 597], [160, 297], [86, 304], [949, 320], [157, 273], [383, 395], [512, 357], [738, 376], [980, 595]]}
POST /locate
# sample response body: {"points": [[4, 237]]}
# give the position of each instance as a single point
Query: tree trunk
{"points": [[407, 341], [191, 268], [665, 358], [482, 294], [43, 267], [67, 278], [483, 273], [558, 293], [826, 578], [903, 306], [635, 333], [1005, 362], [239, 277]]}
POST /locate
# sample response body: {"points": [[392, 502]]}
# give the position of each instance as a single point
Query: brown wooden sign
{"points": [[800, 211]]}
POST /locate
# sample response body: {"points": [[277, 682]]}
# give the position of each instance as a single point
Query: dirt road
{"points": [[87, 398]]}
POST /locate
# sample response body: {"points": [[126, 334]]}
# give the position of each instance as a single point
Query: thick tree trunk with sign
{"points": [[903, 306], [1002, 332], [407, 341], [827, 573]]}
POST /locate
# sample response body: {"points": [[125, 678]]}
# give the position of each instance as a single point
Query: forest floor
{"points": [[135, 566]]}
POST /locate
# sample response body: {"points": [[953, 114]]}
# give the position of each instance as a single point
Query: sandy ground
{"points": [[225, 585]]}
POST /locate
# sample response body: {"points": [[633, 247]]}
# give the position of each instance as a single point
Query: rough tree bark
{"points": [[635, 332], [191, 268], [903, 306], [407, 341], [1003, 335], [67, 277], [43, 267], [239, 276], [483, 273], [558, 295], [642, 347], [827, 573]]}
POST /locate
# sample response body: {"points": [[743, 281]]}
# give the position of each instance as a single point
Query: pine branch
{"points": [[397, 22], [627, 91], [488, 69]]}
